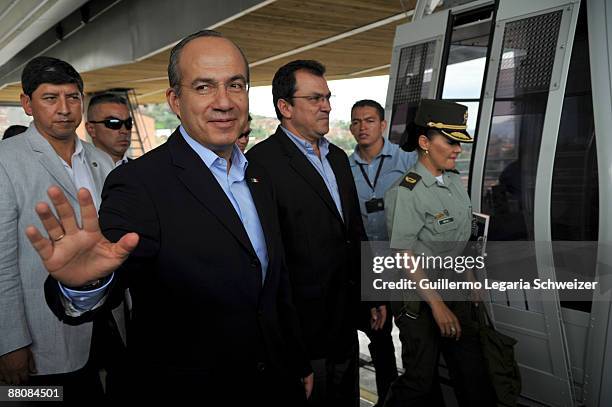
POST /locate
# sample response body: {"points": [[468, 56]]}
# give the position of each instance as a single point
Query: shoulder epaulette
{"points": [[410, 180]]}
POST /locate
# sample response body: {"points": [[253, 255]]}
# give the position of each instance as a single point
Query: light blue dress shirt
{"points": [[321, 164], [234, 184], [396, 162]]}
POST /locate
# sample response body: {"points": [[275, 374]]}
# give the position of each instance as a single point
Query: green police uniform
{"points": [[432, 217], [422, 210], [427, 216]]}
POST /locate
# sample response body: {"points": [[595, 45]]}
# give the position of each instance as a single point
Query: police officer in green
{"points": [[429, 211]]}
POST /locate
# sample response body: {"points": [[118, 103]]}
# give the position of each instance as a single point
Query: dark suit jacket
{"points": [[322, 250], [200, 312]]}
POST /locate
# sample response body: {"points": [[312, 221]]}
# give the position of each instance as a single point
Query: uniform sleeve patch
{"points": [[410, 180]]}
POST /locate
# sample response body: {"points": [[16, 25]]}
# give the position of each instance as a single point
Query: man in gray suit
{"points": [[35, 347]]}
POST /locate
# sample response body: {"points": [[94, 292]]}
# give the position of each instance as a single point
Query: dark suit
{"points": [[201, 318], [322, 249]]}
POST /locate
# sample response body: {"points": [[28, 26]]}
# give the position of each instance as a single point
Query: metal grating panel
{"points": [[529, 55], [414, 73]]}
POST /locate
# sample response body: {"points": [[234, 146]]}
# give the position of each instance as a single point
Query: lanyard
{"points": [[365, 175]]}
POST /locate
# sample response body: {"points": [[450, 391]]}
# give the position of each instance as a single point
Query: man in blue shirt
{"points": [[198, 244], [376, 163]]}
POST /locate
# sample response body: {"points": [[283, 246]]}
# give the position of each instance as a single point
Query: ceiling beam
{"points": [[326, 41], [334, 38], [213, 26], [373, 69], [130, 31]]}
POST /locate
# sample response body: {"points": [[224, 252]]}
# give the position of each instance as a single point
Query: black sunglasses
{"points": [[115, 124]]}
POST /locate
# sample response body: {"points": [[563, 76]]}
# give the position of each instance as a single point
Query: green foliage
{"points": [[164, 117], [261, 127]]}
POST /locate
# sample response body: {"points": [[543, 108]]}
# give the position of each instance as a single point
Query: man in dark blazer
{"points": [[212, 315], [321, 228]]}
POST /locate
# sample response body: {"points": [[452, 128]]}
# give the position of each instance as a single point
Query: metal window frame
{"points": [[509, 11], [430, 28], [598, 366]]}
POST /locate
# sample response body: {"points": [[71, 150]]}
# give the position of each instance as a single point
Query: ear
{"points": [[383, 125], [26, 103], [424, 142], [91, 130], [285, 108], [173, 101]]}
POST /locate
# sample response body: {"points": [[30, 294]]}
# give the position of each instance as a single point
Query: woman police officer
{"points": [[429, 211]]}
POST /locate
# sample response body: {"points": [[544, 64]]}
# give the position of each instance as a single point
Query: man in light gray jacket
{"points": [[35, 347]]}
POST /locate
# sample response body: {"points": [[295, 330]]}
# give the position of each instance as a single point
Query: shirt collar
{"points": [[386, 151], [239, 160], [322, 142], [78, 149], [426, 176], [78, 152], [123, 160], [77, 155], [210, 159]]}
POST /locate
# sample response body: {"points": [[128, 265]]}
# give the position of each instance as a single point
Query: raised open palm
{"points": [[75, 255]]}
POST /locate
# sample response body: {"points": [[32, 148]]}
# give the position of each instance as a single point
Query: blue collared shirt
{"points": [[396, 162], [234, 185], [321, 164]]}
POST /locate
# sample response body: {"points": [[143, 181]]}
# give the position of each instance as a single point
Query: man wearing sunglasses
{"points": [[110, 126]]}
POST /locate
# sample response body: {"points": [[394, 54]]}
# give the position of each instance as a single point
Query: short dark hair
{"points": [[13, 130], [105, 98], [48, 70], [283, 84], [250, 118], [370, 103], [174, 73]]}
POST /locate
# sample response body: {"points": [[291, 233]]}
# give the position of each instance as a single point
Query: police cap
{"points": [[448, 118]]}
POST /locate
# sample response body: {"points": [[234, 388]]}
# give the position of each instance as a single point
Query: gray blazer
{"points": [[28, 166]]}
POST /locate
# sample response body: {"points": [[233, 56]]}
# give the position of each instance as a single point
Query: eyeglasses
{"points": [[315, 99], [234, 87], [115, 124]]}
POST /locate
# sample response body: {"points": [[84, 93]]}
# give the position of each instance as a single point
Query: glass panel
{"points": [[434, 6], [464, 72], [516, 128], [412, 84], [467, 58], [464, 78], [463, 161], [575, 192], [511, 164]]}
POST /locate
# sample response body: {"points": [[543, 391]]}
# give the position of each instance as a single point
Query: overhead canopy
{"points": [[126, 47]]}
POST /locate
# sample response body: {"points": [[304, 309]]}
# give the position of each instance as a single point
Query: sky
{"points": [[463, 80], [345, 92]]}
